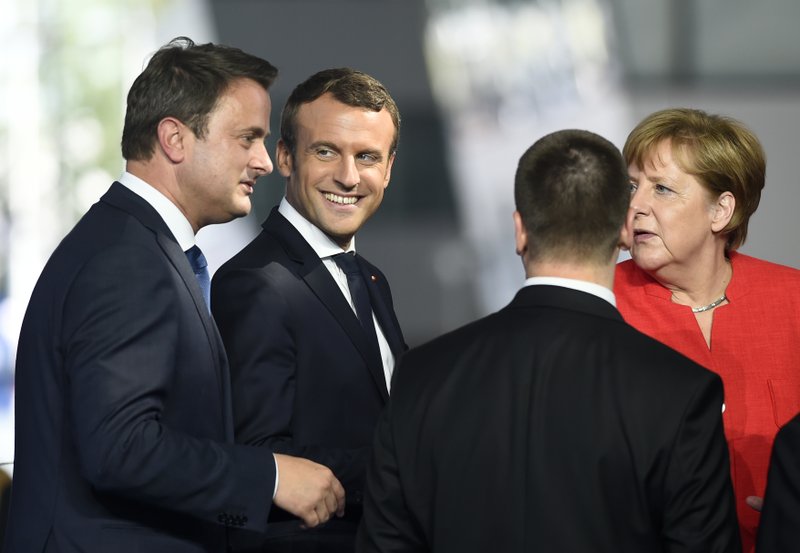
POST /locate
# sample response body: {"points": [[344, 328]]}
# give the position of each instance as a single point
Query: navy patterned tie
{"points": [[348, 263], [200, 267]]}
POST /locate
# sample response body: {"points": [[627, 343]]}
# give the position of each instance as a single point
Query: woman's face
{"points": [[671, 215]]}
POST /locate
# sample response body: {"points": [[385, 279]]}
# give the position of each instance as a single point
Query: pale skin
{"points": [[210, 180]]}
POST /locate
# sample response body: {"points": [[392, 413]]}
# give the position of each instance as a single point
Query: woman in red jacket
{"points": [[696, 179]]}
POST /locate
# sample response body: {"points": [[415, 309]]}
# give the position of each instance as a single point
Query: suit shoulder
{"points": [[261, 251], [654, 359], [434, 353]]}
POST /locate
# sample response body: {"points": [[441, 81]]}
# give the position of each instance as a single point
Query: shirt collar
{"points": [[177, 223], [581, 285], [320, 242]]}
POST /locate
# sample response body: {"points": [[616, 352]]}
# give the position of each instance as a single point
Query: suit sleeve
{"points": [[253, 310], [779, 529], [123, 344], [387, 525], [699, 508]]}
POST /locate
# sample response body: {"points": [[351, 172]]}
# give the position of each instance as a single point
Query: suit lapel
{"points": [[317, 277], [122, 198], [382, 306]]}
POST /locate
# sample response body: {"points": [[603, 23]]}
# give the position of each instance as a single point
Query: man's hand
{"points": [[308, 490]]}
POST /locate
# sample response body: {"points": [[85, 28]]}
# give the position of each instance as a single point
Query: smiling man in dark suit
{"points": [[552, 425], [308, 324], [123, 411]]}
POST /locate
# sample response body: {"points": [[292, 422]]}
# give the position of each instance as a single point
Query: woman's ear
{"points": [[723, 211]]}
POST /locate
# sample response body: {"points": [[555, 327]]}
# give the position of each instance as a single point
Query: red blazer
{"points": [[755, 348]]}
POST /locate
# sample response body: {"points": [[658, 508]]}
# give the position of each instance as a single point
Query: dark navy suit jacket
{"points": [[779, 530], [306, 381], [124, 431]]}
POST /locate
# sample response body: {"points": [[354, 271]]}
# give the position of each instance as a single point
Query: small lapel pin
{"points": [[373, 278]]}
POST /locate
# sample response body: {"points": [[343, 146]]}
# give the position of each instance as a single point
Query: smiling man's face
{"points": [[341, 165]]}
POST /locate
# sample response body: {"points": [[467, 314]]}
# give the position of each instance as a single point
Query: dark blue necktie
{"points": [[200, 267], [358, 291]]}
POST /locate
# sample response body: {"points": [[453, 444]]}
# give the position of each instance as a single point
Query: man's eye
{"points": [[368, 159]]}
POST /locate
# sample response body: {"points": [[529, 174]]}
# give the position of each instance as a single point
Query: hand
{"points": [[755, 502], [308, 490]]}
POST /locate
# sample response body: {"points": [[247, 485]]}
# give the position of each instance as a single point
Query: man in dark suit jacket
{"points": [[310, 371], [779, 529], [123, 424], [552, 425]]}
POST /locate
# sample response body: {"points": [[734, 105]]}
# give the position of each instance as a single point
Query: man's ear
{"points": [[283, 158], [520, 234], [389, 170], [723, 210], [626, 233], [171, 138]]}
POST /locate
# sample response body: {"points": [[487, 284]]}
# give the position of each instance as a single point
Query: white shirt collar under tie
{"points": [[177, 223]]}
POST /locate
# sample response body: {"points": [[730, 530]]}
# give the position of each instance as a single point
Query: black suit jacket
{"points": [[124, 434], [306, 381], [550, 426], [779, 529]]}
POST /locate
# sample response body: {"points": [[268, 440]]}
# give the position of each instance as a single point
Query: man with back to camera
{"points": [[124, 434], [552, 425], [309, 325]]}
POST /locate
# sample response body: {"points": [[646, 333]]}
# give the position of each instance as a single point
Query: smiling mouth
{"points": [[341, 200]]}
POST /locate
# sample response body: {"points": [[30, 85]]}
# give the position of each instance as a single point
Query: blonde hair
{"points": [[720, 152]]}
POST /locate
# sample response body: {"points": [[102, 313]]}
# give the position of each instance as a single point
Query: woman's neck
{"points": [[698, 284]]}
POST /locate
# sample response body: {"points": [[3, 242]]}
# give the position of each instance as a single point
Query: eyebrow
{"points": [[377, 154], [256, 130], [322, 144]]}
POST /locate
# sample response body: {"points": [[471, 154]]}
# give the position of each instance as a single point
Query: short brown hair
{"points": [[720, 152], [571, 191], [185, 80], [349, 86]]}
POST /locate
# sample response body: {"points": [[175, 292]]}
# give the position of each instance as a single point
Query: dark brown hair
{"points": [[185, 80], [349, 86], [571, 190]]}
